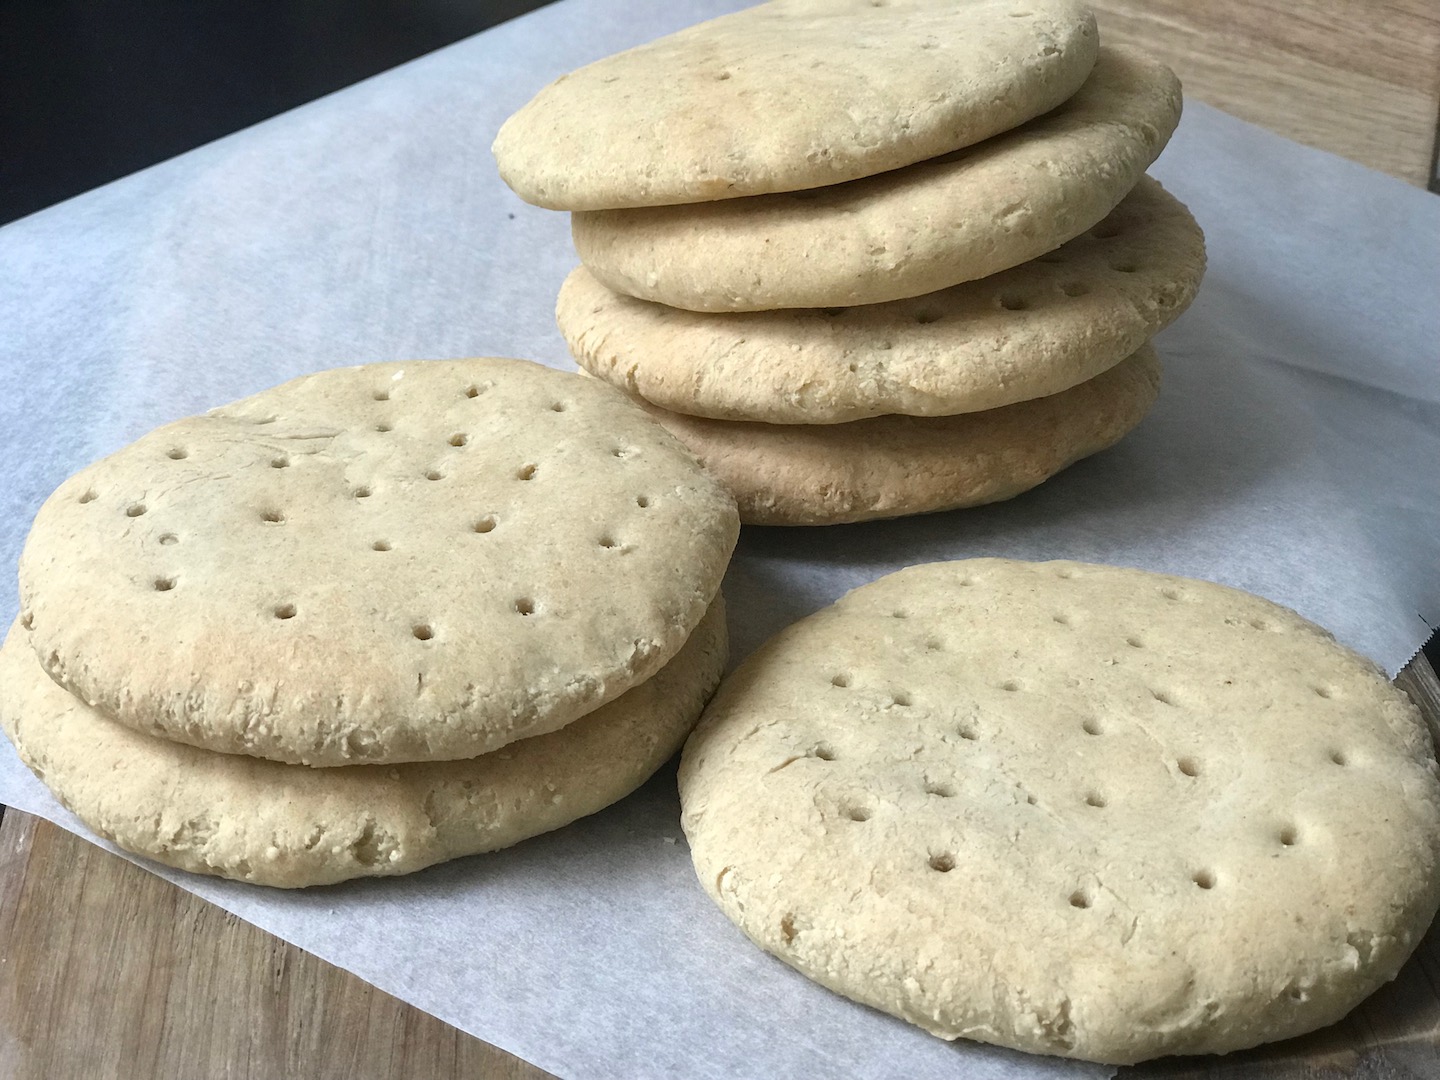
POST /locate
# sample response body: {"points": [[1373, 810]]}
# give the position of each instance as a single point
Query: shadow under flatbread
{"points": [[1203, 457]]}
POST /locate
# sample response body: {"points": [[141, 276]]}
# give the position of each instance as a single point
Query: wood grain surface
{"points": [[108, 971], [1359, 79]]}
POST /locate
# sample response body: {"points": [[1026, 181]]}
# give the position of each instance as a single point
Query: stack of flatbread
{"points": [[368, 620], [869, 259]]}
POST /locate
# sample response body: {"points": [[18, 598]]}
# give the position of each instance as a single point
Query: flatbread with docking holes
{"points": [[1070, 809], [792, 94], [397, 562]]}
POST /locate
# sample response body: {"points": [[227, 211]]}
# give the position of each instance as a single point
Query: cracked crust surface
{"points": [[290, 826], [1070, 809], [1024, 333], [889, 466], [792, 94], [396, 562], [916, 230]]}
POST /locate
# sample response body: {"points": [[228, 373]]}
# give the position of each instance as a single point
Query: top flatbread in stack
{"points": [[408, 561], [790, 95]]}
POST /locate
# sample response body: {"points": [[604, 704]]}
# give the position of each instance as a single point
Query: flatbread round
{"points": [[1070, 809], [290, 826], [398, 562], [916, 230], [889, 466], [1024, 333], [792, 94]]}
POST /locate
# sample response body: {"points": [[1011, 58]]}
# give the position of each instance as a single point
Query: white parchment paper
{"points": [[1293, 453]]}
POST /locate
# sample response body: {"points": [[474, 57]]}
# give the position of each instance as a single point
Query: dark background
{"points": [[91, 90]]}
